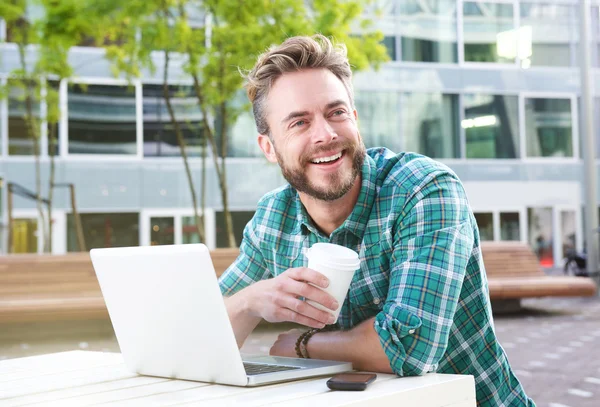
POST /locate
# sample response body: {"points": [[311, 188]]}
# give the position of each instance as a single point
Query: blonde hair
{"points": [[294, 54]]}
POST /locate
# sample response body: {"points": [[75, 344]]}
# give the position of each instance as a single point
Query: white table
{"points": [[81, 378]]}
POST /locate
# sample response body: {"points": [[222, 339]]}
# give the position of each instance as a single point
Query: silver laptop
{"points": [[170, 320]]}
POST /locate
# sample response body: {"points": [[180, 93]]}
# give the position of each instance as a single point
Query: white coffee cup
{"points": [[338, 264]]}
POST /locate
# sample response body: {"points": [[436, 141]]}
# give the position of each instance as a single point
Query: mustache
{"points": [[336, 145]]}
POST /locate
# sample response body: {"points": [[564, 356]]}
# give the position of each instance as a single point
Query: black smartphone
{"points": [[351, 381]]}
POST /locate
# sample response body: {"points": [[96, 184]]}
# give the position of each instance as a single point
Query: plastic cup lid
{"points": [[333, 253]]}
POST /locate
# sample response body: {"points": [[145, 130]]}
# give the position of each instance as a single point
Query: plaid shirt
{"points": [[421, 277]]}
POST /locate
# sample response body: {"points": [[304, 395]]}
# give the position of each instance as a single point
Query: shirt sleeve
{"points": [[431, 249], [248, 268]]}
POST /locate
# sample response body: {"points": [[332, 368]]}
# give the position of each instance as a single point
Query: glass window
{"points": [[540, 234], [491, 126], [595, 34], [53, 116], [242, 135], [189, 230], [160, 139], [104, 230], [568, 231], [548, 34], [13, 32], [20, 142], [485, 223], [378, 119], [24, 236], [102, 119], [162, 230], [239, 219], [428, 35], [488, 32], [548, 127], [596, 124], [510, 226], [430, 124], [390, 44], [118, 38]]}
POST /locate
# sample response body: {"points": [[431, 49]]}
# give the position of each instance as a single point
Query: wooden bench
{"points": [[514, 271], [60, 287], [64, 287]]}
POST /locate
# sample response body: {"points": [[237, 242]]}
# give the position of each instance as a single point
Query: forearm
{"points": [[360, 345], [242, 321]]}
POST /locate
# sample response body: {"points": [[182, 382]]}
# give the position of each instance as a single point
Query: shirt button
{"points": [[412, 331], [376, 301]]}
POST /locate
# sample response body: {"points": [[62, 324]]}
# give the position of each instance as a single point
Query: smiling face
{"points": [[314, 137]]}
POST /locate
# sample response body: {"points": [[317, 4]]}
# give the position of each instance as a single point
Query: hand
{"points": [[285, 345], [277, 299]]}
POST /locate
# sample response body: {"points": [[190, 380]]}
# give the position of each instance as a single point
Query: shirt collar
{"points": [[359, 217]]}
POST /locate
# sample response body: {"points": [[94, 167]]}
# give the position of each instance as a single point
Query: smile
{"points": [[327, 159]]}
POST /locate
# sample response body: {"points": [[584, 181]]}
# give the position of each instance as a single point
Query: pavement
{"points": [[553, 345]]}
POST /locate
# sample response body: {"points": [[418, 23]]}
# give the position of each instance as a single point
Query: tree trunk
{"points": [[203, 178], [223, 180], [9, 209], [33, 130], [219, 166], [198, 220], [203, 141], [52, 176], [77, 220]]}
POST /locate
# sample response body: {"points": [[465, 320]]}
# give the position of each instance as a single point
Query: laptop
{"points": [[170, 320]]}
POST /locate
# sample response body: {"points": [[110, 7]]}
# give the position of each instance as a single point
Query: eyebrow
{"points": [[328, 106], [336, 103]]}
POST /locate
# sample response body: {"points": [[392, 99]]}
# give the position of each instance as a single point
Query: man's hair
{"points": [[293, 55]]}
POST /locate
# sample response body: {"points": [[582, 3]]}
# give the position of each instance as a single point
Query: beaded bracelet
{"points": [[302, 340]]}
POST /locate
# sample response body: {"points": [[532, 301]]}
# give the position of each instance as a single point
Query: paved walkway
{"points": [[553, 346]]}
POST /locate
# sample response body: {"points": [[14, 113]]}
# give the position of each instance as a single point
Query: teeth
{"points": [[327, 159]]}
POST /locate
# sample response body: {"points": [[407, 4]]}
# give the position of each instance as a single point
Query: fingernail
{"points": [[331, 319], [335, 305], [325, 282]]}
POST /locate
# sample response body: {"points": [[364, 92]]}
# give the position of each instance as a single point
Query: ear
{"points": [[267, 147], [355, 115]]}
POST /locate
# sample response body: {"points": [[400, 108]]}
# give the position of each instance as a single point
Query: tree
{"points": [[231, 36], [62, 24]]}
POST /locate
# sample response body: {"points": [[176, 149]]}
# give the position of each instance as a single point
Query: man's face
{"points": [[314, 137]]}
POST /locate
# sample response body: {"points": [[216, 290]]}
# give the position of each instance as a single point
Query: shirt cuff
{"points": [[392, 324]]}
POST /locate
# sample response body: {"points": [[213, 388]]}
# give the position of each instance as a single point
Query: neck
{"points": [[329, 215]]}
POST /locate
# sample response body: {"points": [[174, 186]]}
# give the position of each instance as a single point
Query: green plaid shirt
{"points": [[421, 277]]}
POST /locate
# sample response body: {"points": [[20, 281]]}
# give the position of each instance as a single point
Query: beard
{"points": [[339, 182]]}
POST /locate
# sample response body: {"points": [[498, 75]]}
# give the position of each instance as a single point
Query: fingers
{"points": [[302, 289], [304, 311], [308, 275], [288, 314]]}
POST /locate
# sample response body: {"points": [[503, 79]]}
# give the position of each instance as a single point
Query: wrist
{"points": [[311, 342], [241, 303], [311, 346]]}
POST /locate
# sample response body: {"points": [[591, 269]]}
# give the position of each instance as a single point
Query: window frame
{"points": [[64, 122], [178, 213], [574, 127]]}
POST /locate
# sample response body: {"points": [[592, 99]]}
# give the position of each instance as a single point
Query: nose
{"points": [[323, 132]]}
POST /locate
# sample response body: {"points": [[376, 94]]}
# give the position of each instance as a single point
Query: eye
{"points": [[338, 112], [299, 123]]}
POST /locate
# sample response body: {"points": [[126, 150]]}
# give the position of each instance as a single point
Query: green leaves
{"points": [[210, 39]]}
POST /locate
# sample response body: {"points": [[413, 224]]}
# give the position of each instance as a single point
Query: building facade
{"points": [[490, 88]]}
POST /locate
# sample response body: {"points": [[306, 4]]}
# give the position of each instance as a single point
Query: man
{"points": [[419, 302]]}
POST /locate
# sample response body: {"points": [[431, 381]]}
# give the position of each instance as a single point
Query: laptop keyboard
{"points": [[261, 368]]}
